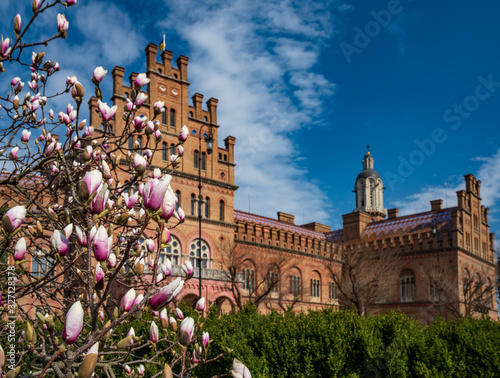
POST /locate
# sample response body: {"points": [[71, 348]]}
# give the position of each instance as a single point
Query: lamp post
{"points": [[209, 141]]}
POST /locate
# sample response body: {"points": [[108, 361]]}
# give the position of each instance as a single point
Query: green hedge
{"points": [[341, 344]]}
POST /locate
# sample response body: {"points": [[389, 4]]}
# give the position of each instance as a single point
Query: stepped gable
{"points": [[335, 236], [274, 223], [409, 224]]}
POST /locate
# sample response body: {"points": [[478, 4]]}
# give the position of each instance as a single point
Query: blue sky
{"points": [[305, 86]]}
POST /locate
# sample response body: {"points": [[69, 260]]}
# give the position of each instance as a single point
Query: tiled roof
{"points": [[422, 222], [274, 223], [335, 236]]}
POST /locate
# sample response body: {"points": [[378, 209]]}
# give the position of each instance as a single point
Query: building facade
{"points": [[445, 257]]}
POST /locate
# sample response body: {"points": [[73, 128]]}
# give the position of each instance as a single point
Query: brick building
{"points": [[442, 252]]}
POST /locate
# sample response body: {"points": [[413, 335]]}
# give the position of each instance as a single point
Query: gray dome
{"points": [[366, 173]]}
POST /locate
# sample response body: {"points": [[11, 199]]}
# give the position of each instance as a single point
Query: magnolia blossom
{"points": [[240, 370], [186, 331], [205, 338], [25, 136], [82, 237], [180, 150], [17, 24], [111, 262], [140, 164], [49, 148], [98, 204], [154, 192], [141, 370], [179, 214], [59, 242], [173, 323], [141, 80], [128, 300], [183, 134], [74, 323], [100, 244], [15, 81], [13, 153], [200, 305], [179, 313], [99, 273], [141, 97], [62, 24], [166, 295], [130, 200], [164, 318], [20, 249], [148, 153], [159, 107], [187, 267], [166, 268], [168, 205], [99, 74], [154, 332], [150, 245], [106, 112], [128, 369], [5, 47]]}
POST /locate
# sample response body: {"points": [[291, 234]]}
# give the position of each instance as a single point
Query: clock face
{"points": [[175, 92], [163, 88]]}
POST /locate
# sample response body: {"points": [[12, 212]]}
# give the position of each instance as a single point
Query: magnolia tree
{"points": [[83, 222]]}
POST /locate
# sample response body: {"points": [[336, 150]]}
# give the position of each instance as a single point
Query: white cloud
{"points": [[258, 59]]}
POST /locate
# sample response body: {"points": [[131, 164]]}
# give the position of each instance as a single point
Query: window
{"points": [[315, 288], [139, 141], [435, 280], [172, 149], [190, 114], [332, 292], [193, 201], [164, 117], [41, 264], [196, 159], [131, 142], [295, 287], [203, 161], [434, 291], [407, 286], [221, 210], [194, 253], [172, 251], [207, 207], [248, 279], [272, 282], [164, 151], [172, 118], [178, 203]]}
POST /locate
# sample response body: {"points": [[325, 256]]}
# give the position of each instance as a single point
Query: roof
{"points": [[410, 224], [274, 223], [365, 173], [335, 236]]}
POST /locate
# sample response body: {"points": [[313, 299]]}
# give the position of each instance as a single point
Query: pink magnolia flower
{"points": [[240, 370], [168, 204], [111, 262], [20, 249], [179, 214], [59, 242], [36, 5], [141, 80], [68, 230], [140, 164], [25, 136], [166, 295], [13, 153], [62, 24], [187, 267], [150, 245], [82, 237], [154, 192], [17, 24], [100, 244], [164, 318], [49, 148], [98, 204], [140, 99], [166, 268], [179, 313], [15, 81], [128, 369], [74, 323], [159, 107], [205, 338], [183, 134], [5, 48], [70, 2], [186, 331], [106, 112], [180, 150], [99, 273], [138, 299], [157, 173], [99, 74], [141, 370], [128, 300], [130, 200], [200, 305], [154, 333]]}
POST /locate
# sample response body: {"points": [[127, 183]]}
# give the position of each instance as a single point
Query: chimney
{"points": [[393, 213], [118, 74], [182, 63], [197, 100], [212, 109], [151, 50], [166, 58], [470, 183], [436, 205], [229, 144], [286, 218]]}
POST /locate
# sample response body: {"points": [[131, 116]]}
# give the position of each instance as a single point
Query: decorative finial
{"points": [[368, 147]]}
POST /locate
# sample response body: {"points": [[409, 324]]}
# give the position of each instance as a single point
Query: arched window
{"points": [[248, 279], [172, 149], [407, 286], [315, 286], [295, 283], [131, 142], [164, 151], [273, 280], [178, 195], [193, 201], [196, 159], [41, 264], [172, 118], [172, 251], [195, 253], [221, 210], [332, 293], [164, 117], [207, 207], [203, 161]]}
